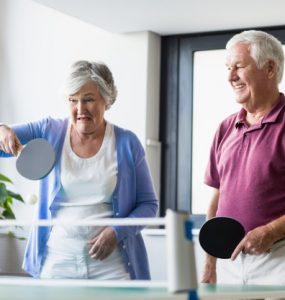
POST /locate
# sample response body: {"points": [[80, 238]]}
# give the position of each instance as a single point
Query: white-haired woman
{"points": [[100, 171]]}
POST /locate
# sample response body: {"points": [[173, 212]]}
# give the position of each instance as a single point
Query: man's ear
{"points": [[271, 68]]}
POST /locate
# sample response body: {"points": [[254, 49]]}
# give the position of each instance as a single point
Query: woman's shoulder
{"points": [[58, 122], [128, 143], [127, 139], [50, 128], [126, 134], [48, 122]]}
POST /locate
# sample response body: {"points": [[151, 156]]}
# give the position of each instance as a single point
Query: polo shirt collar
{"points": [[240, 118], [271, 117]]}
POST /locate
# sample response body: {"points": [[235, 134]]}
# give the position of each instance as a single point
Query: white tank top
{"points": [[87, 188]]}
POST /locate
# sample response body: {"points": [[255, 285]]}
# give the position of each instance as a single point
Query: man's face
{"points": [[247, 81]]}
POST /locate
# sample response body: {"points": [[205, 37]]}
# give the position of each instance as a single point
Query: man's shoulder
{"points": [[230, 120], [231, 117]]}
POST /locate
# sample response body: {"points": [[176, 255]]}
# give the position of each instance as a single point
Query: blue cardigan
{"points": [[133, 196]]}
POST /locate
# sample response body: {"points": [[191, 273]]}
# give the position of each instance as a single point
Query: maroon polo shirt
{"points": [[247, 165]]}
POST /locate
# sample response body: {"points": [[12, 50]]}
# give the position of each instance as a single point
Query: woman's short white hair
{"points": [[263, 48], [84, 71]]}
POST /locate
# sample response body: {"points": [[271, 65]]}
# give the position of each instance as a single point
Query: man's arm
{"points": [[278, 228], [209, 273]]}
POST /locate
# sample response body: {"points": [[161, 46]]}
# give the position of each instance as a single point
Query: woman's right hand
{"points": [[9, 141], [209, 274]]}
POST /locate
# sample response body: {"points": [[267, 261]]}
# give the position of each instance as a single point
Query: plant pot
{"points": [[11, 254]]}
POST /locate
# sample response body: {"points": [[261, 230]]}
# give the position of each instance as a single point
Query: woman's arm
{"points": [[136, 195], [12, 138]]}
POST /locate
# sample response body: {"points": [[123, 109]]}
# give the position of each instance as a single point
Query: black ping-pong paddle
{"points": [[36, 159], [219, 236]]}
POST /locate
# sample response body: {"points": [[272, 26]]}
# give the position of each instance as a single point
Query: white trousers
{"points": [[67, 257], [267, 269], [82, 266]]}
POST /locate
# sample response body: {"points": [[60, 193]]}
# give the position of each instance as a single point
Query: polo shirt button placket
{"points": [[243, 141]]}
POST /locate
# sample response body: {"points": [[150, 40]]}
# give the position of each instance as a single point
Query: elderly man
{"points": [[246, 168]]}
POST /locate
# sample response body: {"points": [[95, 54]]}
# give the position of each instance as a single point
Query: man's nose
{"points": [[232, 74]]}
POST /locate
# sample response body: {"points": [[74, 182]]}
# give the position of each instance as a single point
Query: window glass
{"points": [[213, 101]]}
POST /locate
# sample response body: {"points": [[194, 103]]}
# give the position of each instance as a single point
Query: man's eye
{"points": [[72, 100], [88, 100]]}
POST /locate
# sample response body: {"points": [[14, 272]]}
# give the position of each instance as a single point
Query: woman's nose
{"points": [[80, 106]]}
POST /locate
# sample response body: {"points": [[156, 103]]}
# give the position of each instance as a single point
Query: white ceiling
{"points": [[167, 17]]}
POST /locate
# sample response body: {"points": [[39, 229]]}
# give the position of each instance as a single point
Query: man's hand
{"points": [[256, 241], [103, 244]]}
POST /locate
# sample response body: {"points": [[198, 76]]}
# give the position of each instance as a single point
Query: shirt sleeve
{"points": [[212, 177]]}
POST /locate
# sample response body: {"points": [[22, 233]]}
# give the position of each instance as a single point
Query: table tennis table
{"points": [[22, 289]]}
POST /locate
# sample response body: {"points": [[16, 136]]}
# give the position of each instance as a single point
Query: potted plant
{"points": [[10, 256], [6, 198]]}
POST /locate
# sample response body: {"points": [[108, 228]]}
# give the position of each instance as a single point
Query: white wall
{"points": [[38, 44]]}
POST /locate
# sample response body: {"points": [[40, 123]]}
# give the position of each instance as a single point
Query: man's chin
{"points": [[241, 100]]}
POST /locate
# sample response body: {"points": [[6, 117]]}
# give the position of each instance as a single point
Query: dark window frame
{"points": [[176, 111]]}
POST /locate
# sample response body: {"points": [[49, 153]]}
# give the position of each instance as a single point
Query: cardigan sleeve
{"points": [[136, 195]]}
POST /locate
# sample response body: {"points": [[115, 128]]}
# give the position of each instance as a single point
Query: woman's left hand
{"points": [[103, 244]]}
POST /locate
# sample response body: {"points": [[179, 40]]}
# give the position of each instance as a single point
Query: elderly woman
{"points": [[100, 171]]}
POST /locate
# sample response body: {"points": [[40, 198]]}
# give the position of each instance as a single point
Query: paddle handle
{"points": [[21, 147]]}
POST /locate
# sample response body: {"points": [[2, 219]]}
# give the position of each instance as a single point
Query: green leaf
{"points": [[5, 178], [6, 199], [3, 192], [8, 212], [15, 196]]}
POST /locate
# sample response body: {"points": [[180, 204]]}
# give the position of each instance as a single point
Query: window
{"points": [[195, 98]]}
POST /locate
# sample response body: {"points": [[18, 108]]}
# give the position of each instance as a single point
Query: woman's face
{"points": [[87, 108]]}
